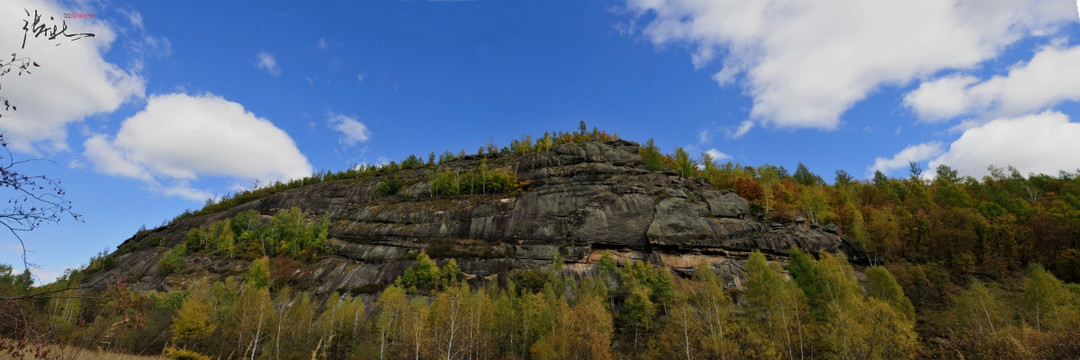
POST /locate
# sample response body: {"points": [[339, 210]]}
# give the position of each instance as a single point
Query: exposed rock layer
{"points": [[581, 199]]}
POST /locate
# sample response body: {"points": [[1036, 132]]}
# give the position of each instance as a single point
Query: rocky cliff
{"points": [[579, 199]]}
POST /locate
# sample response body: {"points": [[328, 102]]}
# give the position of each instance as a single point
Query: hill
{"points": [[577, 199], [582, 245]]}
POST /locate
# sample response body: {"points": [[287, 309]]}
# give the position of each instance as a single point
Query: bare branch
{"points": [[33, 200]]}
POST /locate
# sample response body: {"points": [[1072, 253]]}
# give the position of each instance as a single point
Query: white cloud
{"points": [[178, 138], [1038, 143], [744, 128], [352, 131], [717, 155], [913, 153], [941, 99], [322, 44], [805, 62], [704, 136], [140, 43], [360, 77], [12, 247], [268, 63], [73, 82], [42, 276], [134, 17], [1049, 78], [110, 160]]}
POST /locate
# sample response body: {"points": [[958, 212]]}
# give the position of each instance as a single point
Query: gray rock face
{"points": [[581, 199]]}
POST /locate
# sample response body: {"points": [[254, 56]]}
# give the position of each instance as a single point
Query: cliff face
{"points": [[581, 200]]}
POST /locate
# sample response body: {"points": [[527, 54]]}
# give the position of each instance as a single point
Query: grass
{"points": [[73, 353]]}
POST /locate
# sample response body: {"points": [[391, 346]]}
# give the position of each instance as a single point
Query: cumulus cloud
{"points": [[352, 131], [73, 82], [913, 153], [1039, 143], [179, 138], [267, 62], [1049, 78], [805, 62]]}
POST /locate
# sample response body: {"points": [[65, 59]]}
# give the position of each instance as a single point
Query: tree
{"points": [[581, 331], [915, 171], [447, 321], [194, 321], [843, 178], [803, 271], [651, 156], [803, 176], [1048, 303], [858, 326], [683, 162], [717, 310], [882, 285], [977, 310], [11, 284], [392, 308], [33, 200], [776, 309]]}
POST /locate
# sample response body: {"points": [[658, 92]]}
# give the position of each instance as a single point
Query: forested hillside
{"points": [[949, 266]]}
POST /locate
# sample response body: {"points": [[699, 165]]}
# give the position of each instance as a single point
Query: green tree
{"points": [[12, 284], [341, 326], [716, 309], [651, 156], [776, 309], [423, 276], [882, 285], [843, 179], [173, 260], [803, 271], [683, 162], [392, 308], [858, 326], [447, 321], [389, 186], [1047, 302], [258, 274], [814, 204], [803, 176], [978, 310]]}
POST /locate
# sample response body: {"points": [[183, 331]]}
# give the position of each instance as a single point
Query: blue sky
{"points": [[174, 102]]}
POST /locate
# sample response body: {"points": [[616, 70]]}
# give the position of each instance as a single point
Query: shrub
{"points": [[390, 186], [181, 354], [173, 260]]}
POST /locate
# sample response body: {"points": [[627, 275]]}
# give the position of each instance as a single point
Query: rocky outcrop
{"points": [[580, 200]]}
